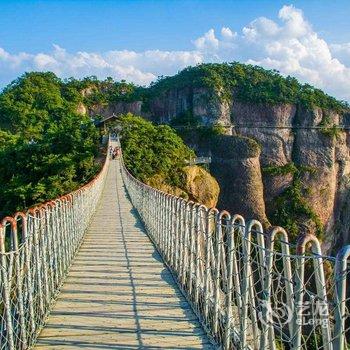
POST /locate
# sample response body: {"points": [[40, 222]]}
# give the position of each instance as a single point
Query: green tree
{"points": [[149, 150], [46, 148]]}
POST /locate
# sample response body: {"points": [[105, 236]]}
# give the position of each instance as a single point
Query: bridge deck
{"points": [[118, 294]]}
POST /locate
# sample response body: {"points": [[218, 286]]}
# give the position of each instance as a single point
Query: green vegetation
{"points": [[248, 83], [274, 170], [291, 207], [209, 133], [151, 150], [289, 168], [242, 82], [329, 129], [46, 148], [99, 92], [238, 147]]}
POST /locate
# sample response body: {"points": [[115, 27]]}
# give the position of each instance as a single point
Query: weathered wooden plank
{"points": [[118, 294]]}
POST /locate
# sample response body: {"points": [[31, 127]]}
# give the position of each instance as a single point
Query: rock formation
{"points": [[273, 156], [286, 134], [199, 186]]}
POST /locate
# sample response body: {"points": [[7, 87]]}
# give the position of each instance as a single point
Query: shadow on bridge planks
{"points": [[118, 294]]}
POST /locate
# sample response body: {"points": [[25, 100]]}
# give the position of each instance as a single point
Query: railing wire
{"points": [[36, 250], [251, 289]]}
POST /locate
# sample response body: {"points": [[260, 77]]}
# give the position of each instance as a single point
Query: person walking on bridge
{"points": [[115, 153]]}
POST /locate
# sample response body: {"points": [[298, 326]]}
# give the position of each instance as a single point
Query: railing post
{"points": [[177, 217], [44, 252], [28, 246], [230, 252], [168, 229], [6, 291], [217, 275], [171, 233], [14, 233], [200, 209], [39, 290], [161, 232], [65, 235], [300, 290], [192, 232], [54, 244], [341, 272], [185, 244], [246, 285], [182, 219], [209, 233], [49, 246]]}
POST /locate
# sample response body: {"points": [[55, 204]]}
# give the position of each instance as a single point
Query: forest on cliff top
{"points": [[247, 83]]}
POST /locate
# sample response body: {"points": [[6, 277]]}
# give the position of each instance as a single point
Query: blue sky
{"points": [[139, 40]]}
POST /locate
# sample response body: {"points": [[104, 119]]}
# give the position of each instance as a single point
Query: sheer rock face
{"points": [[285, 134], [202, 103], [236, 166], [269, 126], [116, 108], [175, 102]]}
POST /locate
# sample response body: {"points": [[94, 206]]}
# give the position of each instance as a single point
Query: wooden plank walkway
{"points": [[118, 294]]}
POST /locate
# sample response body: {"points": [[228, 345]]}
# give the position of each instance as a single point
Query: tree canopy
{"points": [[247, 83], [151, 150], [46, 148]]}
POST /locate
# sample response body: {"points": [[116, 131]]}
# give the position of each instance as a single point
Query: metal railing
{"points": [[36, 250], [250, 289], [199, 160]]}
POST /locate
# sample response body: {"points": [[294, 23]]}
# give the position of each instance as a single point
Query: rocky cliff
{"points": [[305, 141], [116, 108], [282, 157], [199, 186]]}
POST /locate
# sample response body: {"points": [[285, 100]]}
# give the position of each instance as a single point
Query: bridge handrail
{"points": [[199, 160], [36, 251], [249, 288]]}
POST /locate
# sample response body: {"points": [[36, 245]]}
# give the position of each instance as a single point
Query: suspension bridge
{"points": [[120, 265]]}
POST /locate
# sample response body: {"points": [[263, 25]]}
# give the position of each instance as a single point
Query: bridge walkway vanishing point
{"points": [[118, 294]]}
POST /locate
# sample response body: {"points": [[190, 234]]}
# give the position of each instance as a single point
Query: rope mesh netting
{"points": [[251, 289], [36, 250]]}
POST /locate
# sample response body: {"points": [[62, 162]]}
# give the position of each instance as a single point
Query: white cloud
{"points": [[227, 33], [294, 24], [207, 42], [288, 44]]}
